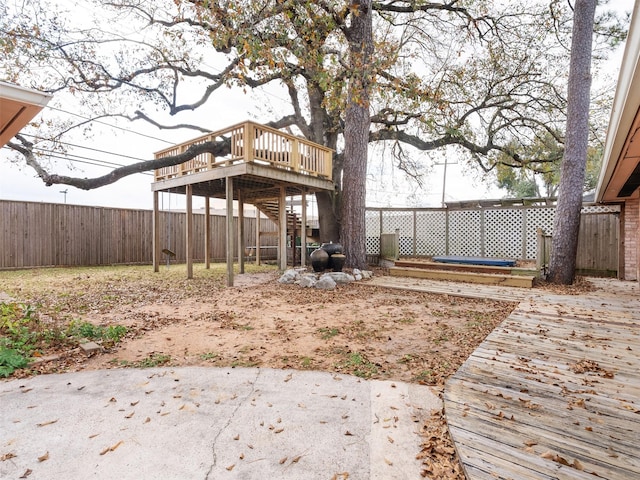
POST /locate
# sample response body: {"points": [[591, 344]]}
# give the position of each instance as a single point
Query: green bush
{"points": [[10, 360]]}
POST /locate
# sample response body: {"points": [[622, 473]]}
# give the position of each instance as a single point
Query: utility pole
{"points": [[64, 192], [444, 179]]}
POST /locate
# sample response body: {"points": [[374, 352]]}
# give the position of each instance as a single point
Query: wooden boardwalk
{"points": [[554, 391]]}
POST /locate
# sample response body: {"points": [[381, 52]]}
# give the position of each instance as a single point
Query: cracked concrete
{"points": [[226, 426], [179, 423]]}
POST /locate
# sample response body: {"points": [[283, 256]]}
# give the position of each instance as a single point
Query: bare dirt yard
{"points": [[367, 331]]}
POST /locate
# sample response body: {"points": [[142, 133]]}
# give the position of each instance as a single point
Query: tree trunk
{"points": [[564, 246], [356, 135]]}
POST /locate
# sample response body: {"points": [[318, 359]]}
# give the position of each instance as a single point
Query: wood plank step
{"points": [[465, 267], [471, 277]]}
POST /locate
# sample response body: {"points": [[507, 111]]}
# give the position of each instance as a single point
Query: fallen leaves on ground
{"points": [[368, 331], [438, 454]]}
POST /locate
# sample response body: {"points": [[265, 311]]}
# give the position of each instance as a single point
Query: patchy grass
{"points": [[356, 363], [151, 361], [327, 333]]}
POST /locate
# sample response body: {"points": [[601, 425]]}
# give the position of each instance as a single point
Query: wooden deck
{"points": [[250, 142], [554, 391], [505, 279], [251, 164]]}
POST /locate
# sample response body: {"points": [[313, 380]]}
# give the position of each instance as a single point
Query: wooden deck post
{"points": [[282, 230], [229, 197], [249, 135], [207, 233], [258, 225], [189, 231], [156, 233], [241, 241], [303, 233]]}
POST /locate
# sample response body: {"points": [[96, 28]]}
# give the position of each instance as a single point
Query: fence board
{"points": [[45, 234]]}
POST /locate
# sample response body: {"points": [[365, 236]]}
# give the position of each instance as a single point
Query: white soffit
{"points": [[18, 106]]}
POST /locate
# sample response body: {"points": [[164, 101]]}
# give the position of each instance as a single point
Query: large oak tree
{"points": [[486, 77]]}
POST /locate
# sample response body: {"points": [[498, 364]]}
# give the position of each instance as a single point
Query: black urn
{"points": [[319, 260], [337, 261], [331, 248]]}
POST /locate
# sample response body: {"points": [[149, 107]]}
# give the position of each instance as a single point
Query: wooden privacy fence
{"points": [[47, 234], [598, 246], [496, 231]]}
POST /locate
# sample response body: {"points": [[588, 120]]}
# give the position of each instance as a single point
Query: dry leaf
{"points": [[390, 440], [7, 456], [112, 448], [388, 462], [44, 424], [230, 467], [282, 460], [27, 472], [44, 457]]}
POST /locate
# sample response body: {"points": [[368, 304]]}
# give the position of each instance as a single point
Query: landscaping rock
{"points": [[326, 283], [90, 348], [4, 298], [288, 277], [307, 280], [366, 274], [340, 277]]}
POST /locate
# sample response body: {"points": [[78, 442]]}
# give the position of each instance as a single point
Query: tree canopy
{"points": [[486, 77]]}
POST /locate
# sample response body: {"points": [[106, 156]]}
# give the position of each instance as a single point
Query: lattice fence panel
{"points": [[403, 222], [503, 233], [431, 233], [372, 229], [541, 217], [464, 233], [601, 209]]}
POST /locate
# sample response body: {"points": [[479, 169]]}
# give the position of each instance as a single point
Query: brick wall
{"points": [[631, 241]]}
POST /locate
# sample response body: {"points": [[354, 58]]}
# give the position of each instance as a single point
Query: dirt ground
{"points": [[356, 329]]}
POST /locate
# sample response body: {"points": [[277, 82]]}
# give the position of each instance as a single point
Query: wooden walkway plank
{"points": [[554, 391], [540, 415]]}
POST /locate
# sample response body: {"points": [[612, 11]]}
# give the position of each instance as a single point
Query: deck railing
{"points": [[252, 142]]}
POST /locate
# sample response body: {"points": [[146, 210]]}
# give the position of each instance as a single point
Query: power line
{"points": [[128, 130], [94, 162], [91, 149], [81, 159]]}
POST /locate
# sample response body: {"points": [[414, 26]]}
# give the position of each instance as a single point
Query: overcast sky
{"points": [[226, 108]]}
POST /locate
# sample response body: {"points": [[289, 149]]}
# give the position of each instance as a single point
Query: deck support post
{"points": [[241, 241], [282, 230], [207, 233], [229, 197], [189, 231], [156, 233], [257, 236], [303, 233]]}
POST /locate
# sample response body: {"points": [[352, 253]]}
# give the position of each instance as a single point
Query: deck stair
{"points": [[270, 209], [482, 274]]}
